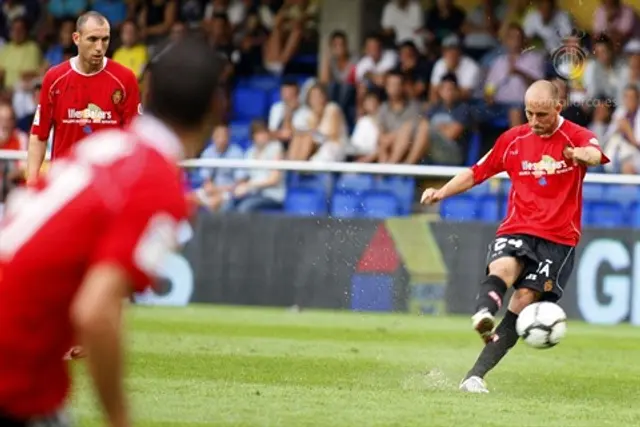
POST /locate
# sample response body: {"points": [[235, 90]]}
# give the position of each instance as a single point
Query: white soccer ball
{"points": [[542, 324]]}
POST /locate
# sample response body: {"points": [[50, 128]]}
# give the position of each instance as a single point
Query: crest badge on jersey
{"points": [[36, 117], [117, 96], [548, 286]]}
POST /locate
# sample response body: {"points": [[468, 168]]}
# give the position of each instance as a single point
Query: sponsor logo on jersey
{"points": [[91, 114], [117, 96], [546, 166], [548, 286]]}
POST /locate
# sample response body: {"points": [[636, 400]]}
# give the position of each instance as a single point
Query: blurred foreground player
{"points": [[84, 94], [533, 251], [91, 233]]}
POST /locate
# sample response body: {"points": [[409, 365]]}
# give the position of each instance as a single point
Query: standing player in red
{"points": [[91, 232], [534, 246], [87, 93]]}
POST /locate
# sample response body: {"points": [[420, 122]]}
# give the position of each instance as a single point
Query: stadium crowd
{"points": [[434, 85]]}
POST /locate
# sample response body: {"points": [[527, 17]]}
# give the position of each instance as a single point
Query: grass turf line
{"points": [[231, 366]]}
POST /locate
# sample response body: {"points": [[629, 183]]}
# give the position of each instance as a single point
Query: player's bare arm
{"points": [[96, 314], [588, 156], [35, 157], [458, 184]]}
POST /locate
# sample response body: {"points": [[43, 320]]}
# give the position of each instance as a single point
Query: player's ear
{"points": [[76, 38], [559, 107]]}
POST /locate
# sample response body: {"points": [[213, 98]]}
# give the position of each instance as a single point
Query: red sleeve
{"points": [[132, 106], [585, 138], [492, 162], [138, 240], [43, 118]]}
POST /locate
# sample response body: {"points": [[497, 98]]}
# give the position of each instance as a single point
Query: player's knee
{"points": [[522, 298], [508, 269]]}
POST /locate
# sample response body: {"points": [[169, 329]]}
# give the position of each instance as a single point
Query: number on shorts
{"points": [[502, 242]]}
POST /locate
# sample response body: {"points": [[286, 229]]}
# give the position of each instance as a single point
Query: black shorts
{"points": [[57, 420], [547, 265]]}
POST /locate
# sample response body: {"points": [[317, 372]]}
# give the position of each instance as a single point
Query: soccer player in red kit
{"points": [[534, 248], [80, 96], [89, 234]]}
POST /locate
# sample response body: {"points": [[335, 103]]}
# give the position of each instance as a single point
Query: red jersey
{"points": [[118, 198], [546, 193], [76, 104]]}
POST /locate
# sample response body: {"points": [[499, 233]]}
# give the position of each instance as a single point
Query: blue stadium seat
{"points": [[604, 214], [380, 204], [264, 82], [489, 208], [623, 194], [355, 182], [459, 208], [320, 181], [634, 215], [274, 96], [305, 201], [592, 191], [473, 153], [346, 204], [403, 187], [240, 132], [249, 104], [481, 189]]}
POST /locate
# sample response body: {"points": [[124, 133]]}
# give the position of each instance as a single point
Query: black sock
{"points": [[492, 290], [494, 351]]}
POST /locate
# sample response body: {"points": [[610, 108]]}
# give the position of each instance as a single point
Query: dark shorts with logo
{"points": [[547, 265]]}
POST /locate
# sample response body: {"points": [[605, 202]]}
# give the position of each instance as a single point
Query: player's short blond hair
{"points": [[85, 17]]}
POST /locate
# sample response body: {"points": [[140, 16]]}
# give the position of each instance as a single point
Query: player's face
{"points": [[93, 41], [542, 116]]}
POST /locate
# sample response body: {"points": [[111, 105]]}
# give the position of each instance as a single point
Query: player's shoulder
{"points": [[57, 71], [572, 128], [119, 70], [515, 132]]}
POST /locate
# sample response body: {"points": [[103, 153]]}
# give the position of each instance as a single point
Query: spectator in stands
{"points": [[397, 120], [577, 111], [481, 28], [289, 114], [402, 21], [178, 30], [218, 183], [327, 135], [20, 59], [221, 36], [24, 104], [250, 37], [416, 70], [294, 24], [235, 10], [629, 74], [601, 73], [131, 54], [515, 13], [191, 13], [364, 140], [442, 20], [156, 19], [617, 20], [10, 139], [509, 77], [374, 65], [453, 61], [262, 189], [449, 124], [55, 54], [602, 112], [337, 72], [623, 143], [62, 9], [114, 10], [549, 24]]}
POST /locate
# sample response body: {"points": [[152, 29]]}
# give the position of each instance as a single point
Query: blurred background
{"points": [[358, 91]]}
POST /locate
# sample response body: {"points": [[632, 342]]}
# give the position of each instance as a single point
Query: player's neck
{"points": [[87, 68]]}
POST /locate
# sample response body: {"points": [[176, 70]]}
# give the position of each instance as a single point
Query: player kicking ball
{"points": [[534, 248], [94, 230]]}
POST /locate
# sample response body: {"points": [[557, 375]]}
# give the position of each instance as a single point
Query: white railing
{"points": [[371, 168]]}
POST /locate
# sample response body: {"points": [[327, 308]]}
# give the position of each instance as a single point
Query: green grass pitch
{"points": [[230, 366]]}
